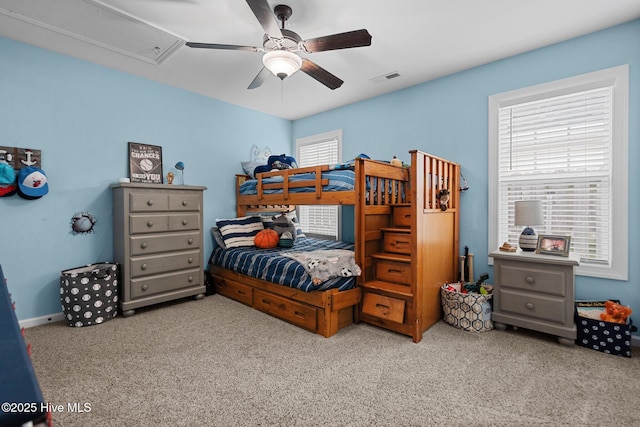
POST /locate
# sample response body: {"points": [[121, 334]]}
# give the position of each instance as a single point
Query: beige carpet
{"points": [[216, 362]]}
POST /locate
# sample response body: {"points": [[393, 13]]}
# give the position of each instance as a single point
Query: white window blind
{"points": [[559, 147], [320, 221]]}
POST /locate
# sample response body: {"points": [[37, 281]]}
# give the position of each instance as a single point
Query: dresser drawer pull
{"points": [[149, 202], [145, 287], [190, 260], [190, 241], [185, 222], [239, 292], [144, 266], [185, 203], [297, 313], [386, 307], [190, 279], [530, 280], [149, 223], [393, 270], [530, 306], [143, 245]]}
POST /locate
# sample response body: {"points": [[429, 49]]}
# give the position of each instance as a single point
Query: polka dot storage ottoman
{"points": [[89, 294]]}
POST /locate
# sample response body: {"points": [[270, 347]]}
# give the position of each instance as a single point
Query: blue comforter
{"points": [[270, 265]]}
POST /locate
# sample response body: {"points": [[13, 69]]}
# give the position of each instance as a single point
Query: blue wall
{"points": [[447, 117], [82, 116]]}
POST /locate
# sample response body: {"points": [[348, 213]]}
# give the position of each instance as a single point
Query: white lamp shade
{"points": [[529, 212], [282, 63]]}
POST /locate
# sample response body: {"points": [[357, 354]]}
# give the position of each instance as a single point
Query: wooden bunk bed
{"points": [[406, 243]]}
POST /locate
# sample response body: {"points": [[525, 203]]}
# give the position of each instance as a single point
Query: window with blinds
{"points": [[561, 144], [320, 221]]}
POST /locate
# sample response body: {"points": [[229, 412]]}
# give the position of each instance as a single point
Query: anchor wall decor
{"points": [[18, 157]]}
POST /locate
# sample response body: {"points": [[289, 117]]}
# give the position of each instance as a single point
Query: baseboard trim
{"points": [[37, 321], [635, 340]]}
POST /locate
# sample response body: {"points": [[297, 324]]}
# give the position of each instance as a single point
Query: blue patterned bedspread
{"points": [[339, 180], [270, 265]]}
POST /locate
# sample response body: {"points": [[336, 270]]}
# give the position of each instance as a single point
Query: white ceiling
{"points": [[419, 39]]}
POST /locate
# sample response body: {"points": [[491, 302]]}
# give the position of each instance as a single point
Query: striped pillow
{"points": [[238, 232]]}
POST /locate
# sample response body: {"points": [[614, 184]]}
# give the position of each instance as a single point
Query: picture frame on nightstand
{"points": [[553, 245]]}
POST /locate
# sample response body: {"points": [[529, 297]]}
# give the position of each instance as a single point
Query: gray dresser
{"points": [[157, 240], [535, 292]]}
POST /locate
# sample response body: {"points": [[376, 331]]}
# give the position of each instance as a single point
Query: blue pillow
{"points": [[239, 232]]}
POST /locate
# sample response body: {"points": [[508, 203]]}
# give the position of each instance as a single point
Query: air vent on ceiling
{"points": [[385, 77], [94, 22]]}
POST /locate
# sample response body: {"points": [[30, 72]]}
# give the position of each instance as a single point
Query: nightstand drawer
{"points": [[533, 278], [542, 307]]}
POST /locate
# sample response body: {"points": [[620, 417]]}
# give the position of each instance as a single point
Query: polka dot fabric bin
{"points": [[606, 337], [89, 294]]}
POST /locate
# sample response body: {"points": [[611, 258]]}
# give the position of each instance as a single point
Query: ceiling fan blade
{"points": [[346, 40], [265, 16], [259, 79], [320, 74], [223, 46]]}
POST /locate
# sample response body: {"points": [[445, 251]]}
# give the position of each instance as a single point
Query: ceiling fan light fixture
{"points": [[282, 63]]}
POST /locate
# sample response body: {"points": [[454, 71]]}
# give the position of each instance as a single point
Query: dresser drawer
{"points": [[184, 202], [149, 286], [533, 278], [158, 223], [164, 263], [383, 307], [148, 201], [234, 290], [402, 216], [399, 243], [536, 306], [149, 244], [296, 313], [393, 271]]}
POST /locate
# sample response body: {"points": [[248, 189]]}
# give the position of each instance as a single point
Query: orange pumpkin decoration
{"points": [[266, 239]]}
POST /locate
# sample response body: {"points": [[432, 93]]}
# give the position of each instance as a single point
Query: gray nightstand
{"points": [[535, 292]]}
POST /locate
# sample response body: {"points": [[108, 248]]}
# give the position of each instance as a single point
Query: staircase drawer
{"points": [[291, 311], [393, 271], [399, 243], [402, 216], [384, 307]]}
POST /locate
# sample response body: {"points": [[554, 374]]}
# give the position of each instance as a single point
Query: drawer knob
{"points": [[184, 203], [144, 266], [149, 202], [143, 245], [149, 223], [530, 306], [530, 279], [190, 241], [190, 279], [190, 260], [144, 287], [184, 222]]}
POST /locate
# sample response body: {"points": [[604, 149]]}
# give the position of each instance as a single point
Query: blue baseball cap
{"points": [[32, 183]]}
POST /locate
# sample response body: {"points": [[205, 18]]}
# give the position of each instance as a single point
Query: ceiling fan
{"points": [[281, 46]]}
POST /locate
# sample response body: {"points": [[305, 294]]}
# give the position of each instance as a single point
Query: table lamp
{"points": [[528, 213]]}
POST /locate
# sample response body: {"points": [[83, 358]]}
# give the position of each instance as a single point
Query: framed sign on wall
{"points": [[145, 163]]}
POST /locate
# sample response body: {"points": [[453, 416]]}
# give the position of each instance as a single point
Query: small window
{"points": [[565, 143], [321, 221]]}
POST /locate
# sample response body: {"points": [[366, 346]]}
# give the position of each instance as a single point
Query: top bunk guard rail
{"points": [[440, 175]]}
